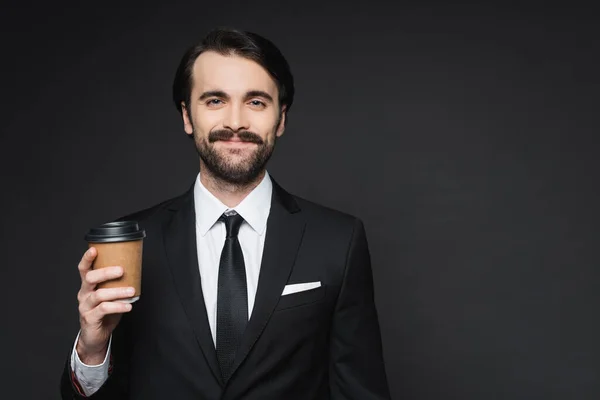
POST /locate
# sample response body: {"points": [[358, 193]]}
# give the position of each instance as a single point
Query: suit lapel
{"points": [[285, 228], [180, 243]]}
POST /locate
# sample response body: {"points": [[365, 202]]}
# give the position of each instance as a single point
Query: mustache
{"points": [[244, 136]]}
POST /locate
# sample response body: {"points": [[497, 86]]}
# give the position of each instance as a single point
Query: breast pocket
{"points": [[301, 298]]}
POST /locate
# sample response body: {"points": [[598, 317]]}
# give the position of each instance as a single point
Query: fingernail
{"points": [[128, 306], [130, 291]]}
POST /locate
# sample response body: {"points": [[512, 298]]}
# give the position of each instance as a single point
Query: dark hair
{"points": [[227, 41]]}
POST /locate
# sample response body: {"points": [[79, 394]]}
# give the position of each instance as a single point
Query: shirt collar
{"points": [[254, 208]]}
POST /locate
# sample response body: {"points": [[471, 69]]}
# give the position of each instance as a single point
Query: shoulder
{"points": [[328, 219], [157, 212], [332, 232], [318, 216]]}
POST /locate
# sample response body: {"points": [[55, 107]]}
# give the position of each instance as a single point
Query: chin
{"points": [[236, 156], [235, 159]]}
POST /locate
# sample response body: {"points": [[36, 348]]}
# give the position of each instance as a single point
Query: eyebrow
{"points": [[259, 93], [249, 94], [213, 93]]}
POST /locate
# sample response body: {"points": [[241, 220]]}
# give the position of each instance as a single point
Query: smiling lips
{"points": [[236, 142]]}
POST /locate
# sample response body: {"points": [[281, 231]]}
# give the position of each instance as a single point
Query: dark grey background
{"points": [[463, 135]]}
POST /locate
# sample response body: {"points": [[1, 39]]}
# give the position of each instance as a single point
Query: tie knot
{"points": [[232, 224]]}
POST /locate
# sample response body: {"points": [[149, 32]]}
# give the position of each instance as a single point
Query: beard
{"points": [[242, 172]]}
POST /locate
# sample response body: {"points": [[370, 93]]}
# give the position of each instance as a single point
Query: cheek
{"points": [[266, 124], [205, 122]]}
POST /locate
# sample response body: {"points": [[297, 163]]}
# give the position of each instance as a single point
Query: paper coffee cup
{"points": [[119, 244]]}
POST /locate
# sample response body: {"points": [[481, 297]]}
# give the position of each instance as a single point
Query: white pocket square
{"points": [[300, 287]]}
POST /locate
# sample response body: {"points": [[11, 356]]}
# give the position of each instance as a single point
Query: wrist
{"points": [[91, 356]]}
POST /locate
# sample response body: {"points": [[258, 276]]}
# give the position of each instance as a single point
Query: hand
{"points": [[99, 313]]}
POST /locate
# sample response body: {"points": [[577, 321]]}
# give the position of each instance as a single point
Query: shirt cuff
{"points": [[90, 377]]}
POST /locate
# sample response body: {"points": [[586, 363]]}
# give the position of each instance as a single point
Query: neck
{"points": [[228, 193]]}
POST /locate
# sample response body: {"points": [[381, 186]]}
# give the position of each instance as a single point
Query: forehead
{"points": [[231, 74]]}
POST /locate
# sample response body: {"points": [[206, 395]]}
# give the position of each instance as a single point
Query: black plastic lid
{"points": [[121, 231]]}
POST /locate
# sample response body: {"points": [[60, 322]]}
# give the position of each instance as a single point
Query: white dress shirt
{"points": [[210, 237]]}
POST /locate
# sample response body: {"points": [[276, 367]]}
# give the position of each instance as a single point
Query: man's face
{"points": [[235, 116]]}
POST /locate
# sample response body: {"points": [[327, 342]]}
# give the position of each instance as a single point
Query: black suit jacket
{"points": [[319, 344]]}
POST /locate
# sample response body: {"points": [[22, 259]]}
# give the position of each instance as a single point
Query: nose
{"points": [[236, 119]]}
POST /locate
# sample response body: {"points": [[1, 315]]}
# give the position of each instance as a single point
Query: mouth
{"points": [[236, 142]]}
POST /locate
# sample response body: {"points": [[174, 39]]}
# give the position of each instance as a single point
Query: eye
{"points": [[257, 103], [214, 102]]}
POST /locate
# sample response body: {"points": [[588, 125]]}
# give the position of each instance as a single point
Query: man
{"points": [[248, 292]]}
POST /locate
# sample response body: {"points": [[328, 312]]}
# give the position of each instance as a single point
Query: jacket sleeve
{"points": [[356, 361]]}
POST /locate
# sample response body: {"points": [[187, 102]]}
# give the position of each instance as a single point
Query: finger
{"points": [[85, 264], [100, 275], [109, 294], [106, 308]]}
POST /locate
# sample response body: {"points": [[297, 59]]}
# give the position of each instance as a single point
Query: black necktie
{"points": [[232, 296]]}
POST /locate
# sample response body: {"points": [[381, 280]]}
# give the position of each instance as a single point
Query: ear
{"points": [[281, 126], [188, 126]]}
